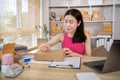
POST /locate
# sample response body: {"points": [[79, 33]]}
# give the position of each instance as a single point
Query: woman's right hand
{"points": [[44, 47]]}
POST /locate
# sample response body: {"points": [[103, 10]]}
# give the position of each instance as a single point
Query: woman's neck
{"points": [[70, 34]]}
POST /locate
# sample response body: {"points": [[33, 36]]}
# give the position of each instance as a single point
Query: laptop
{"points": [[111, 64]]}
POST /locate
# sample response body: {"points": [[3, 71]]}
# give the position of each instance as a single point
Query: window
{"points": [[18, 14], [7, 13]]}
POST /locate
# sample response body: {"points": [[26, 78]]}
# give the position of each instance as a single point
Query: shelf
{"points": [[57, 21], [58, 6], [95, 37], [104, 5], [81, 6], [92, 37], [85, 6], [102, 21]]}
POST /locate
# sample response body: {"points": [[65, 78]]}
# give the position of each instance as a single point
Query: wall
{"points": [[117, 24]]}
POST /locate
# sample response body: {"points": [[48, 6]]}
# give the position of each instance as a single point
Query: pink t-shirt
{"points": [[76, 47]]}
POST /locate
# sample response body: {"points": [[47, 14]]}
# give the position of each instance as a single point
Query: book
{"points": [[69, 62], [87, 76], [105, 40], [104, 36]]}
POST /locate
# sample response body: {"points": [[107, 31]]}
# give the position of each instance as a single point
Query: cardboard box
{"points": [[98, 19], [107, 27], [104, 33], [51, 55], [86, 18], [96, 14], [53, 26], [1, 40]]}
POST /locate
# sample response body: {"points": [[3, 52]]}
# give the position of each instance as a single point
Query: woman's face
{"points": [[70, 24]]}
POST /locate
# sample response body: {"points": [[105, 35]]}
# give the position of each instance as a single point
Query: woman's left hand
{"points": [[68, 52]]}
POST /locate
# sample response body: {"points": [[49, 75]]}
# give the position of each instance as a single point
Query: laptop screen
{"points": [[113, 59], [112, 63]]}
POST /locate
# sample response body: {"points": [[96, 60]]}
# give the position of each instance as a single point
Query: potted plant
{"points": [[45, 30]]}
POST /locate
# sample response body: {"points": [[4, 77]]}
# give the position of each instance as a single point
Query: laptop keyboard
{"points": [[96, 65], [99, 67]]}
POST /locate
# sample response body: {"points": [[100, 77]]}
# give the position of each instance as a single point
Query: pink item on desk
{"points": [[7, 59]]}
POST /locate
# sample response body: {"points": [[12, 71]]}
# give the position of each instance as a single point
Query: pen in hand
{"points": [[67, 51], [69, 65], [44, 47]]}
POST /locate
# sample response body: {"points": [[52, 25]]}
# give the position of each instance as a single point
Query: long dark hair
{"points": [[79, 35]]}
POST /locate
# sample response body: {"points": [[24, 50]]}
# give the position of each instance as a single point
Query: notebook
{"points": [[69, 62], [111, 64]]}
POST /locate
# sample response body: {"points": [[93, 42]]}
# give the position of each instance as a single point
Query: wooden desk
{"points": [[40, 71]]}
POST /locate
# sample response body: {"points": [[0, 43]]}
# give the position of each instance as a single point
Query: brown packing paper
{"points": [[51, 55]]}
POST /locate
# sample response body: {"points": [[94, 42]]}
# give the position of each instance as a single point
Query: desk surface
{"points": [[41, 71]]}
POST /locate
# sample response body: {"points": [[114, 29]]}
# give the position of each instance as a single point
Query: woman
{"points": [[74, 41]]}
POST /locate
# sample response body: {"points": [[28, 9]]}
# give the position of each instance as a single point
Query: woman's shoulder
{"points": [[60, 36]]}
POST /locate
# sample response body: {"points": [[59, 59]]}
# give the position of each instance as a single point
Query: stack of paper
{"points": [[87, 76], [69, 62]]}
